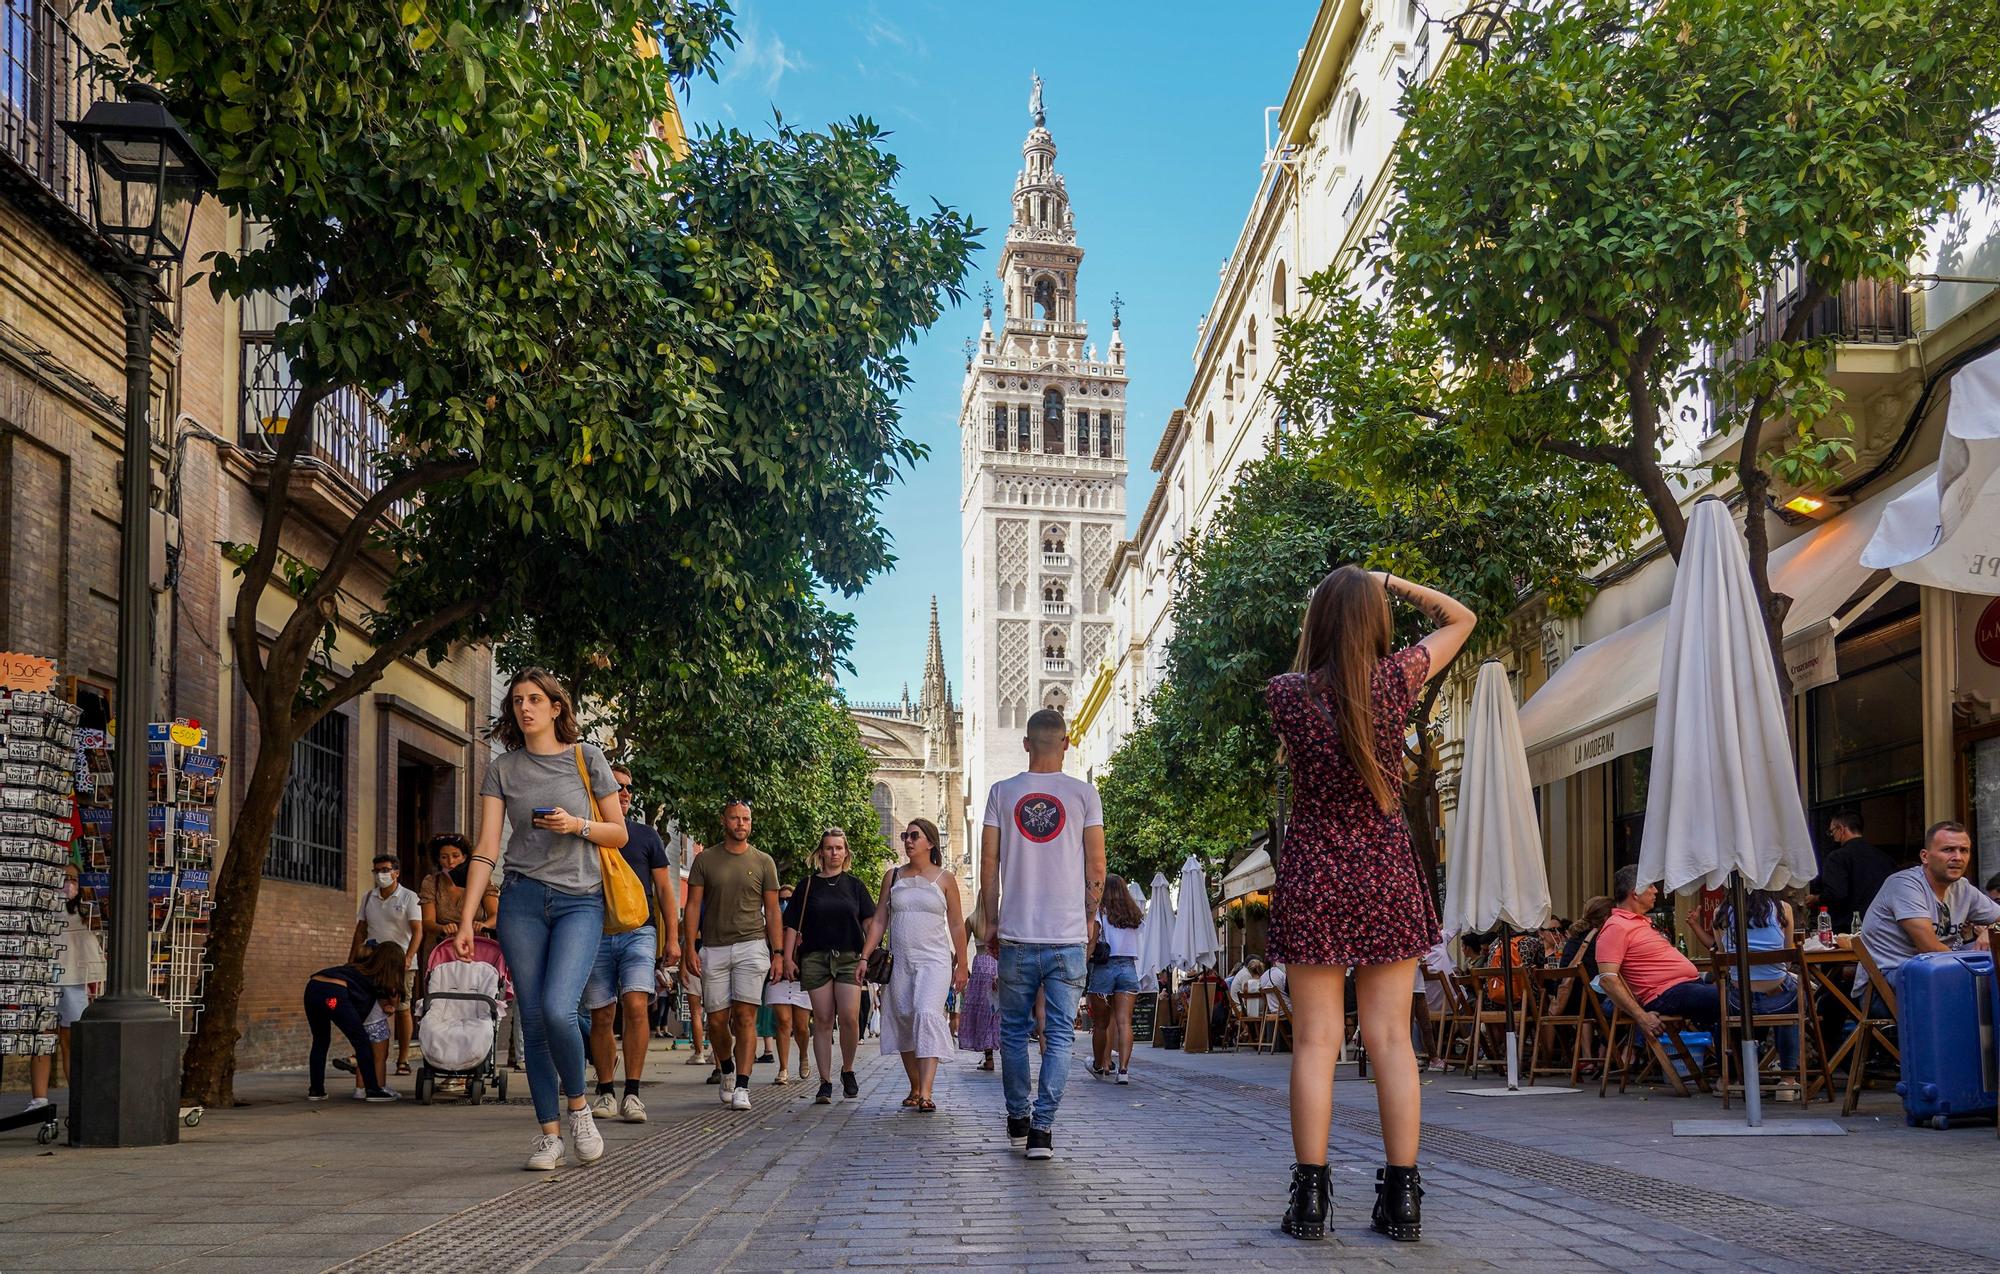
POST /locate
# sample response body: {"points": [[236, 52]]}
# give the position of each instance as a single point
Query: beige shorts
{"points": [[734, 974]]}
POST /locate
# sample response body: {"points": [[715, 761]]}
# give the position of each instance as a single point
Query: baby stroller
{"points": [[459, 1016]]}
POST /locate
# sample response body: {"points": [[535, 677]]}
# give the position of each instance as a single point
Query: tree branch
{"points": [[355, 538], [250, 659], [370, 670]]}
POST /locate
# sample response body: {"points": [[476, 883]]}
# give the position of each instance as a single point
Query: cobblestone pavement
{"points": [[1183, 1169]]}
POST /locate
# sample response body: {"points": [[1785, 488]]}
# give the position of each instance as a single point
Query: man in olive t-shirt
{"points": [[732, 911]]}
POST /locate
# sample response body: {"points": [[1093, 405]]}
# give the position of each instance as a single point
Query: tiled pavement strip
{"points": [[1183, 1169]]}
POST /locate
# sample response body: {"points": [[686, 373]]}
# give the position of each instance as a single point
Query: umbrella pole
{"points": [[1753, 1091], [1507, 989]]}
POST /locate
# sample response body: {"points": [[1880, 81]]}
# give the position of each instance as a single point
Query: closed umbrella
{"points": [[1723, 796], [1154, 932], [1496, 875], [1195, 943], [1940, 533]]}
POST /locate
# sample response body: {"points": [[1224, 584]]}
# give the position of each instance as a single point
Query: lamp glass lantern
{"points": [[145, 177]]}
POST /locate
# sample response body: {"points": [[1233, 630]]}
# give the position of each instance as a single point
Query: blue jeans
{"points": [[550, 941], [1784, 999], [1057, 972], [624, 963]]}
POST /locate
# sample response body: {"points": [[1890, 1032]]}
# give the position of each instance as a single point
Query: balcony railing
{"points": [[1057, 561], [1046, 327], [1055, 608], [46, 76], [349, 430], [1055, 665], [1865, 312]]}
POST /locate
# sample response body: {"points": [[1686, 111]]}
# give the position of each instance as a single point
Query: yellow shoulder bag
{"points": [[625, 906]]}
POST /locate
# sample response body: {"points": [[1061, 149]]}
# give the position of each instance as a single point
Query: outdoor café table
{"points": [[1831, 970]]}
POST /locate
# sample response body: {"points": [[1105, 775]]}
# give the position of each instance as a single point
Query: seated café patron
{"points": [[1640, 970], [1929, 907]]}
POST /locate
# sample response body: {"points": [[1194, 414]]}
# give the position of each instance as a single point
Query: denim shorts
{"points": [[1120, 973], [624, 963], [376, 1025]]}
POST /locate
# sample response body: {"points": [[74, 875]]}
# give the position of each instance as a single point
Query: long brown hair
{"points": [[1119, 909], [930, 831], [508, 730], [381, 967], [1347, 632], [1595, 913]]}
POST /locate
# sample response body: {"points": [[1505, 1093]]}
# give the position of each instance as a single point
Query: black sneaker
{"points": [[849, 1086], [1041, 1143], [767, 1058], [1017, 1131], [825, 1097], [715, 1076]]}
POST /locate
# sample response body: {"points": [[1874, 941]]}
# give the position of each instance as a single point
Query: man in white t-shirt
{"points": [[1041, 878], [390, 912]]}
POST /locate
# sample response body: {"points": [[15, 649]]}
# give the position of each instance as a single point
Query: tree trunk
{"points": [[208, 1070]]}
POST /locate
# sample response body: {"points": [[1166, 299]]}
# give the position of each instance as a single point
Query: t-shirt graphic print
{"points": [[1041, 817]]}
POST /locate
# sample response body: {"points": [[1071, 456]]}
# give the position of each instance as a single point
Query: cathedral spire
{"points": [[937, 691]]}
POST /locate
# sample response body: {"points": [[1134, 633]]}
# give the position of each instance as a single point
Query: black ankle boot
{"points": [[1399, 1204], [1306, 1217]]}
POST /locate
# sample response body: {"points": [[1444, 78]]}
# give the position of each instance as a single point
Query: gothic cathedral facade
{"points": [[1042, 493]]}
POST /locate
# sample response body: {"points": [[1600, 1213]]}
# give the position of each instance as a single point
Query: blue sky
{"points": [[1157, 112]]}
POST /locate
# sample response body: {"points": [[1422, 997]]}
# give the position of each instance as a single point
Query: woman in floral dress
{"points": [[979, 1016], [1349, 892]]}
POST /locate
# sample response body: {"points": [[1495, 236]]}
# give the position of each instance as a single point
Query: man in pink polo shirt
{"points": [[1640, 970]]}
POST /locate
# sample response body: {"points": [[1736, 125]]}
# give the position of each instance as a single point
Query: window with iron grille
{"points": [[309, 841]]}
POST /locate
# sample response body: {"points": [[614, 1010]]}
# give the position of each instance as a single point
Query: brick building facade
{"points": [[400, 762]]}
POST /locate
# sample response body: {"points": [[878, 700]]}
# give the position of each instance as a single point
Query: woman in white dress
{"points": [[921, 915]]}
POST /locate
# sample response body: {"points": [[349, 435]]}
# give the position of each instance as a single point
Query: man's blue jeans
{"points": [[550, 941], [1057, 972]]}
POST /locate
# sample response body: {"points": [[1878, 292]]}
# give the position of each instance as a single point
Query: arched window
{"points": [[1350, 127], [1056, 699], [1052, 540], [1104, 434], [1083, 433], [885, 810], [1024, 433], [1279, 298], [1249, 355], [1052, 421], [1045, 297], [1208, 436], [1055, 598], [1000, 426]]}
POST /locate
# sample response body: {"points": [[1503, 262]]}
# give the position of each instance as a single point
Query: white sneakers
{"points": [[1123, 1078], [741, 1100], [584, 1137], [632, 1110], [547, 1155], [727, 1088], [605, 1106]]}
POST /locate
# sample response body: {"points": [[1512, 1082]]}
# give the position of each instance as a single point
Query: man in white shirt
{"points": [[1041, 879], [391, 913], [1247, 978]]}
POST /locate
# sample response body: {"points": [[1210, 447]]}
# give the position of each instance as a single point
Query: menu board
{"points": [[1986, 803], [1144, 1007]]}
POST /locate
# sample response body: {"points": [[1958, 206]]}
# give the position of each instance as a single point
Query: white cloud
{"points": [[760, 57]]}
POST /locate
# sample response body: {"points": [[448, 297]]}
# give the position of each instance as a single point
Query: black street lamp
{"points": [[145, 179]]}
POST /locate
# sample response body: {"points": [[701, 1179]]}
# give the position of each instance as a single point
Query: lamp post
{"points": [[145, 179]]}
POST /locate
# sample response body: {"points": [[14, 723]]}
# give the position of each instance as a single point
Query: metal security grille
{"points": [[309, 842]]}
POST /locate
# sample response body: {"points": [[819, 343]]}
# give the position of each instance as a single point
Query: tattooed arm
{"points": [[1093, 881], [1453, 619]]}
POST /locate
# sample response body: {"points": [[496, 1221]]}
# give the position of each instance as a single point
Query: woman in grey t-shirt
{"points": [[561, 803]]}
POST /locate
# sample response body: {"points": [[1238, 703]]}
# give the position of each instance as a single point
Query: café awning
{"points": [[1599, 704], [1247, 877]]}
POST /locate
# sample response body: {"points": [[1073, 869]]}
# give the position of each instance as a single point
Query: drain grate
{"points": [[1784, 1233]]}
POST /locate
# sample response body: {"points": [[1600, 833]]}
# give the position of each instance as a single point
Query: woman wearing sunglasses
{"points": [[921, 915]]}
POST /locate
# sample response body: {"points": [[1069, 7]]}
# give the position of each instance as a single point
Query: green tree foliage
{"points": [[1203, 772], [636, 398], [1599, 197]]}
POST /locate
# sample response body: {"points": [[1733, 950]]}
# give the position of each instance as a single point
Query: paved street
{"points": [[1183, 1169]]}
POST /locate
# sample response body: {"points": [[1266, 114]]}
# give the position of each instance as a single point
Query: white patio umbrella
{"points": [[1195, 943], [1153, 932], [1723, 795], [1496, 874], [1940, 533]]}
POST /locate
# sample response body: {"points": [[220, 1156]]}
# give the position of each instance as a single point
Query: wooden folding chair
{"points": [[1444, 1021], [1723, 970], [1660, 1054], [1488, 1012], [1873, 1027], [1564, 1003]]}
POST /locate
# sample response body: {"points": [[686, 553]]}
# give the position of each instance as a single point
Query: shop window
{"points": [[309, 841], [1631, 777], [1866, 736]]}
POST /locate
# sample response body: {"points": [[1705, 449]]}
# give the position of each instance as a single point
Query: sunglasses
{"points": [[910, 836]]}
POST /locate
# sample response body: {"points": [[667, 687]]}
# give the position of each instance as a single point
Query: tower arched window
{"points": [[1045, 298], [1104, 434], [1052, 421], [1023, 432], [1052, 540], [1083, 433], [1056, 699], [1000, 426]]}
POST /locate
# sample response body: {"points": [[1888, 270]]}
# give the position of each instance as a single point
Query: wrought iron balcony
{"points": [[1865, 312], [46, 76], [350, 431]]}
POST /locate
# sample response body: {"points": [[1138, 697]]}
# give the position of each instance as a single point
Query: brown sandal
{"points": [[927, 1106], [910, 1101]]}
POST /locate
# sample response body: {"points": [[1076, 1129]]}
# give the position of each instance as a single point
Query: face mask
{"points": [[383, 879], [69, 889]]}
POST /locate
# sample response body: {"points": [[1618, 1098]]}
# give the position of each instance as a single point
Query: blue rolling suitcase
{"points": [[1946, 1004]]}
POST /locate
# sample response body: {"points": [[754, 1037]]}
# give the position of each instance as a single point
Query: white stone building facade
{"points": [[1042, 500]]}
